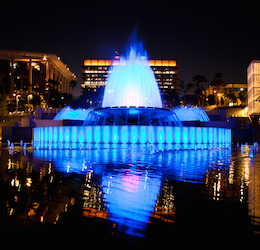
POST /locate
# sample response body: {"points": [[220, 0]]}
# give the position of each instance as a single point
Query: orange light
{"points": [[97, 62], [166, 63]]}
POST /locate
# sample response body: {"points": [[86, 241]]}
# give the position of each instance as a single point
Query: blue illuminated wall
{"points": [[81, 136]]}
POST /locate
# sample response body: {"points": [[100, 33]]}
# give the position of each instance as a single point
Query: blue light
{"points": [[205, 135], [169, 135], [210, 135], [160, 135], [185, 135], [192, 135], [215, 133], [114, 135], [55, 134], [50, 134], [199, 135], [124, 135], [151, 134], [177, 135], [74, 134], [219, 135], [67, 134], [81, 135], [45, 134], [97, 134], [134, 134], [89, 135], [61, 131], [106, 134], [143, 134]]}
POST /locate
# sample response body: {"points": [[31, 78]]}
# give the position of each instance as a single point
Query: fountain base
{"points": [[83, 137]]}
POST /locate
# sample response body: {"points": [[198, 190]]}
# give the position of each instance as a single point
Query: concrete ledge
{"points": [[47, 123]]}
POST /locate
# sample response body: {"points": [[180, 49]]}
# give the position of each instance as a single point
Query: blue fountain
{"points": [[132, 114]]}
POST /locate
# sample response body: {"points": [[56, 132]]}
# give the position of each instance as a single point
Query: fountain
{"points": [[131, 114]]}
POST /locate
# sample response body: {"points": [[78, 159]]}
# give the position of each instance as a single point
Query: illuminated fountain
{"points": [[131, 114]]}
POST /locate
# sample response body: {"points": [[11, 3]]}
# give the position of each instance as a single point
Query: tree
{"points": [[3, 108], [181, 88], [190, 87], [230, 96], [242, 95], [218, 83], [199, 80], [73, 85]]}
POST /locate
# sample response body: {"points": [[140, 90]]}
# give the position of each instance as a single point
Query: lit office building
{"points": [[253, 80], [29, 73], [96, 71]]}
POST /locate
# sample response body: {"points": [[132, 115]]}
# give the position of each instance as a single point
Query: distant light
{"points": [[231, 104], [44, 58], [241, 89]]}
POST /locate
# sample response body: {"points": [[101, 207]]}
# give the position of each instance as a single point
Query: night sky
{"points": [[204, 38]]}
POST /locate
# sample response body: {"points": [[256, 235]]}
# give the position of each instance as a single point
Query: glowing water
{"points": [[132, 83], [188, 113], [69, 113]]}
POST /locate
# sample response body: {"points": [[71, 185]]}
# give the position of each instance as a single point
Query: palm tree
{"points": [[198, 81], [190, 87]]}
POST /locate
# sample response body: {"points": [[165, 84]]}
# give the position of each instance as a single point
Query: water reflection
{"points": [[129, 187]]}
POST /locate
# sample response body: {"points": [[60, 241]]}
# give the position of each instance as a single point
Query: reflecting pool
{"points": [[133, 191]]}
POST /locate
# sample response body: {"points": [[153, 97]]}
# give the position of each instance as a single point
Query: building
{"points": [[224, 96], [253, 80], [26, 73], [96, 71]]}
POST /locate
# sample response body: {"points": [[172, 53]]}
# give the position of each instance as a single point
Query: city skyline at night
{"points": [[204, 38]]}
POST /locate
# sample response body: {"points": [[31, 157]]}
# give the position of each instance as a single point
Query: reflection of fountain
{"points": [[122, 185], [130, 197], [131, 113]]}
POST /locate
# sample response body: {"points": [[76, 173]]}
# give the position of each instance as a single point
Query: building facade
{"points": [[253, 80], [96, 71], [26, 73]]}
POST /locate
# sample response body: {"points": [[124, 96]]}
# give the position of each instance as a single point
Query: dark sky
{"points": [[204, 37]]}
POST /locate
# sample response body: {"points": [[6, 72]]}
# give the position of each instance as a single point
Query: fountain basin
{"points": [[83, 136]]}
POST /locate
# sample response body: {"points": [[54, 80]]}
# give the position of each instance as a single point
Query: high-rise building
{"points": [[253, 81], [96, 71]]}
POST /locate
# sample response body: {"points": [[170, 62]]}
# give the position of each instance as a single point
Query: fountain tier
{"points": [[132, 83]]}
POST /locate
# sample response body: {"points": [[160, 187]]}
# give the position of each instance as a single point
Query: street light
{"points": [[17, 96]]}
